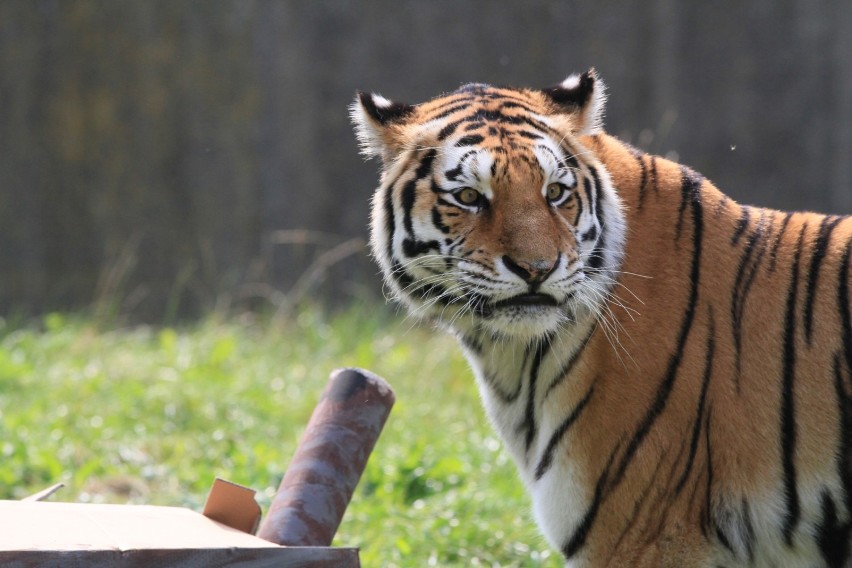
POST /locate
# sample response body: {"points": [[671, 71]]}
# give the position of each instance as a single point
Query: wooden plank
{"points": [[285, 557]]}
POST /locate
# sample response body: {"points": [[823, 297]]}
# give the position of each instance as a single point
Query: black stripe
{"points": [[547, 456], [643, 181], [450, 128], [565, 370], [597, 196], [507, 98], [742, 224], [470, 140], [691, 189], [513, 104], [438, 221], [746, 273], [596, 259], [708, 493], [553, 155], [529, 424], [509, 397], [699, 412], [788, 403], [578, 538], [570, 159], [774, 254], [488, 115], [735, 530], [437, 189], [685, 198], [577, 196], [450, 108], [401, 276], [517, 120], [654, 174], [425, 166], [409, 192], [825, 228], [446, 203], [528, 134], [453, 174], [845, 306], [843, 396], [390, 215], [749, 536], [844, 411], [506, 397], [720, 206], [414, 247], [390, 223], [722, 538], [832, 535], [590, 235]]}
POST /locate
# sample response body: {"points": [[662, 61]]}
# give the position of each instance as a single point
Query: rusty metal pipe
{"points": [[318, 485]]}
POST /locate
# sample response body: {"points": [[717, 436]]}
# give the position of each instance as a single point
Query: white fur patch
{"points": [[366, 130], [380, 101], [572, 82]]}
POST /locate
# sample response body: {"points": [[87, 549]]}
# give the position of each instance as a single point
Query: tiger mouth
{"points": [[527, 300]]}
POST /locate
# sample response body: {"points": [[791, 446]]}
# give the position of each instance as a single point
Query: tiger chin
{"points": [[671, 371]]}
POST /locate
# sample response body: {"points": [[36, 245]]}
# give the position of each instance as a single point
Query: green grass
{"points": [[151, 415]]}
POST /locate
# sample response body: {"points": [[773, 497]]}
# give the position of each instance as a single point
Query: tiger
{"points": [[670, 371]]}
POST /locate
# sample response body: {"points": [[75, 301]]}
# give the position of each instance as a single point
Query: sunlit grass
{"points": [[151, 415]]}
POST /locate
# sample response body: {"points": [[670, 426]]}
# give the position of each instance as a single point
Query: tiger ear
{"points": [[583, 96], [377, 122]]}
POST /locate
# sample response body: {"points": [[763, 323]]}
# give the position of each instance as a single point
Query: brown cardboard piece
{"points": [[81, 534], [232, 505]]}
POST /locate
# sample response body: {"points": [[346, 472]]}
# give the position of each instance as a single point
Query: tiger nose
{"points": [[532, 272]]}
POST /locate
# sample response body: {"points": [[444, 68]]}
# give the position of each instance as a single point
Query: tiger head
{"points": [[491, 215]]}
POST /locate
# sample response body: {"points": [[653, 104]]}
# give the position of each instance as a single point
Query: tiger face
{"points": [[491, 215]]}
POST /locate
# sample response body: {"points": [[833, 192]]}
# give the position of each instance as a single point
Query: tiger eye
{"points": [[468, 196], [555, 191]]}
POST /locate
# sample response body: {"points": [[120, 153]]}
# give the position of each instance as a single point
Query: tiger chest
{"points": [[527, 428]]}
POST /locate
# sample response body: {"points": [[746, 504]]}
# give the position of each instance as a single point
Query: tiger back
{"points": [[670, 371]]}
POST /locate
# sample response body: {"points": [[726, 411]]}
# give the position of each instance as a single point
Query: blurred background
{"points": [[164, 158], [190, 164]]}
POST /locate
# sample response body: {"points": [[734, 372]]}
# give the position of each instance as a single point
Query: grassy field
{"points": [[151, 415]]}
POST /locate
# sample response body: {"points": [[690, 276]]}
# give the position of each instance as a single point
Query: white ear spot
{"points": [[380, 101], [572, 82]]}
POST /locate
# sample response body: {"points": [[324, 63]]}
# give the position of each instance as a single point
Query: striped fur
{"points": [[671, 371]]}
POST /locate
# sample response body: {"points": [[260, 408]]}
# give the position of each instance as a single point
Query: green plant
{"points": [[151, 415]]}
